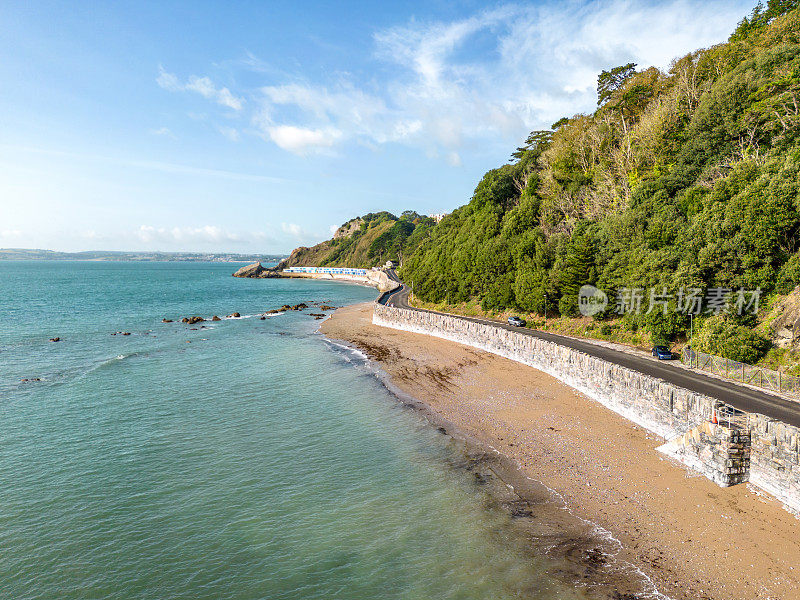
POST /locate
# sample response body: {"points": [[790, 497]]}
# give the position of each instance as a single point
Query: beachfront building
{"points": [[328, 270]]}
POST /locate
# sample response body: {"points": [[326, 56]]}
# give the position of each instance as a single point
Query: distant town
{"points": [[99, 255]]}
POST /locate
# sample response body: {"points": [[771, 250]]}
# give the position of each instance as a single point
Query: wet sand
{"points": [[694, 539]]}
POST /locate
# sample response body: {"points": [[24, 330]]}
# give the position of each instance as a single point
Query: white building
{"points": [[329, 270]]}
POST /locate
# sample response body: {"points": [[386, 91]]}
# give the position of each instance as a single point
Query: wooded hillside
{"points": [[684, 179]]}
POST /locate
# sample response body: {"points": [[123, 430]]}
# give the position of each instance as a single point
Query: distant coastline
{"points": [[101, 255]]}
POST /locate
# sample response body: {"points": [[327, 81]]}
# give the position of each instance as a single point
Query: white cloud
{"points": [[491, 77], [230, 132], [302, 141], [168, 81], [208, 234], [294, 230], [10, 234], [163, 131], [454, 159], [200, 85], [449, 87]]}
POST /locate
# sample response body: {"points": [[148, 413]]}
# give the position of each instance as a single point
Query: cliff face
{"points": [[348, 228]]}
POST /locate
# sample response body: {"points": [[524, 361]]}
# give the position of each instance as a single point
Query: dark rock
{"points": [[519, 509], [193, 320], [233, 316], [319, 315], [256, 270], [215, 318], [441, 430], [166, 320], [326, 307], [285, 307], [300, 306], [29, 380], [595, 557], [317, 318], [185, 320], [125, 332], [272, 311], [253, 270], [263, 318], [55, 339]]}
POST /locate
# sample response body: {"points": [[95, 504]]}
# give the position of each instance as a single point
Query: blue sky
{"points": [[258, 126]]}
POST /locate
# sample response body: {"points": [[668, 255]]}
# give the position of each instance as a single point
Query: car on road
{"points": [[662, 353], [516, 322]]}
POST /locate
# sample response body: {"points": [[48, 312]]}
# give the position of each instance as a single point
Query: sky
{"points": [[256, 127]]}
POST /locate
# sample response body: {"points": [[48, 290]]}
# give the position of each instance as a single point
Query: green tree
{"points": [[610, 81]]}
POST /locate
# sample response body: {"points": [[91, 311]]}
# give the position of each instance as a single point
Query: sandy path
{"points": [[696, 540]]}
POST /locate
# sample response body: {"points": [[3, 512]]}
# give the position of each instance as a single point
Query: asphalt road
{"points": [[738, 396]]}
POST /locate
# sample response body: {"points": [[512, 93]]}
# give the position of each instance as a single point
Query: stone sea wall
{"points": [[720, 453], [654, 404], [775, 459], [662, 408]]}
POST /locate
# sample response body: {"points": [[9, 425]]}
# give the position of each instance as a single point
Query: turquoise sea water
{"points": [[246, 460]]}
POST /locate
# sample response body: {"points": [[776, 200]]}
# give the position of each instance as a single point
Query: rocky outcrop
{"points": [[252, 270], [256, 270], [784, 321], [348, 228]]}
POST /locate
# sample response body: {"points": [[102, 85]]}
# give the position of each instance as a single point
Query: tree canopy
{"points": [[683, 179]]}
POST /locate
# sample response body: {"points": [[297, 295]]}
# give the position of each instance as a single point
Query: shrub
{"points": [[723, 338], [568, 305]]}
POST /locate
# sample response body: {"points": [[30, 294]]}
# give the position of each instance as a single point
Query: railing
{"points": [[738, 371], [731, 417]]}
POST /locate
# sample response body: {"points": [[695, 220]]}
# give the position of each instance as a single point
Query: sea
{"points": [[245, 458]]}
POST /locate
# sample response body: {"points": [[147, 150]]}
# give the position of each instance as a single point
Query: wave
{"points": [[349, 353]]}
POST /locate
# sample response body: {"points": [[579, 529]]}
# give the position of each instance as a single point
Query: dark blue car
{"points": [[662, 353]]}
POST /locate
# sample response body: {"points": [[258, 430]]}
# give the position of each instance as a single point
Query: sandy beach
{"points": [[694, 539]]}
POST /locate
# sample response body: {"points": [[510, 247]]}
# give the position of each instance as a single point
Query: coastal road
{"points": [[741, 397]]}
